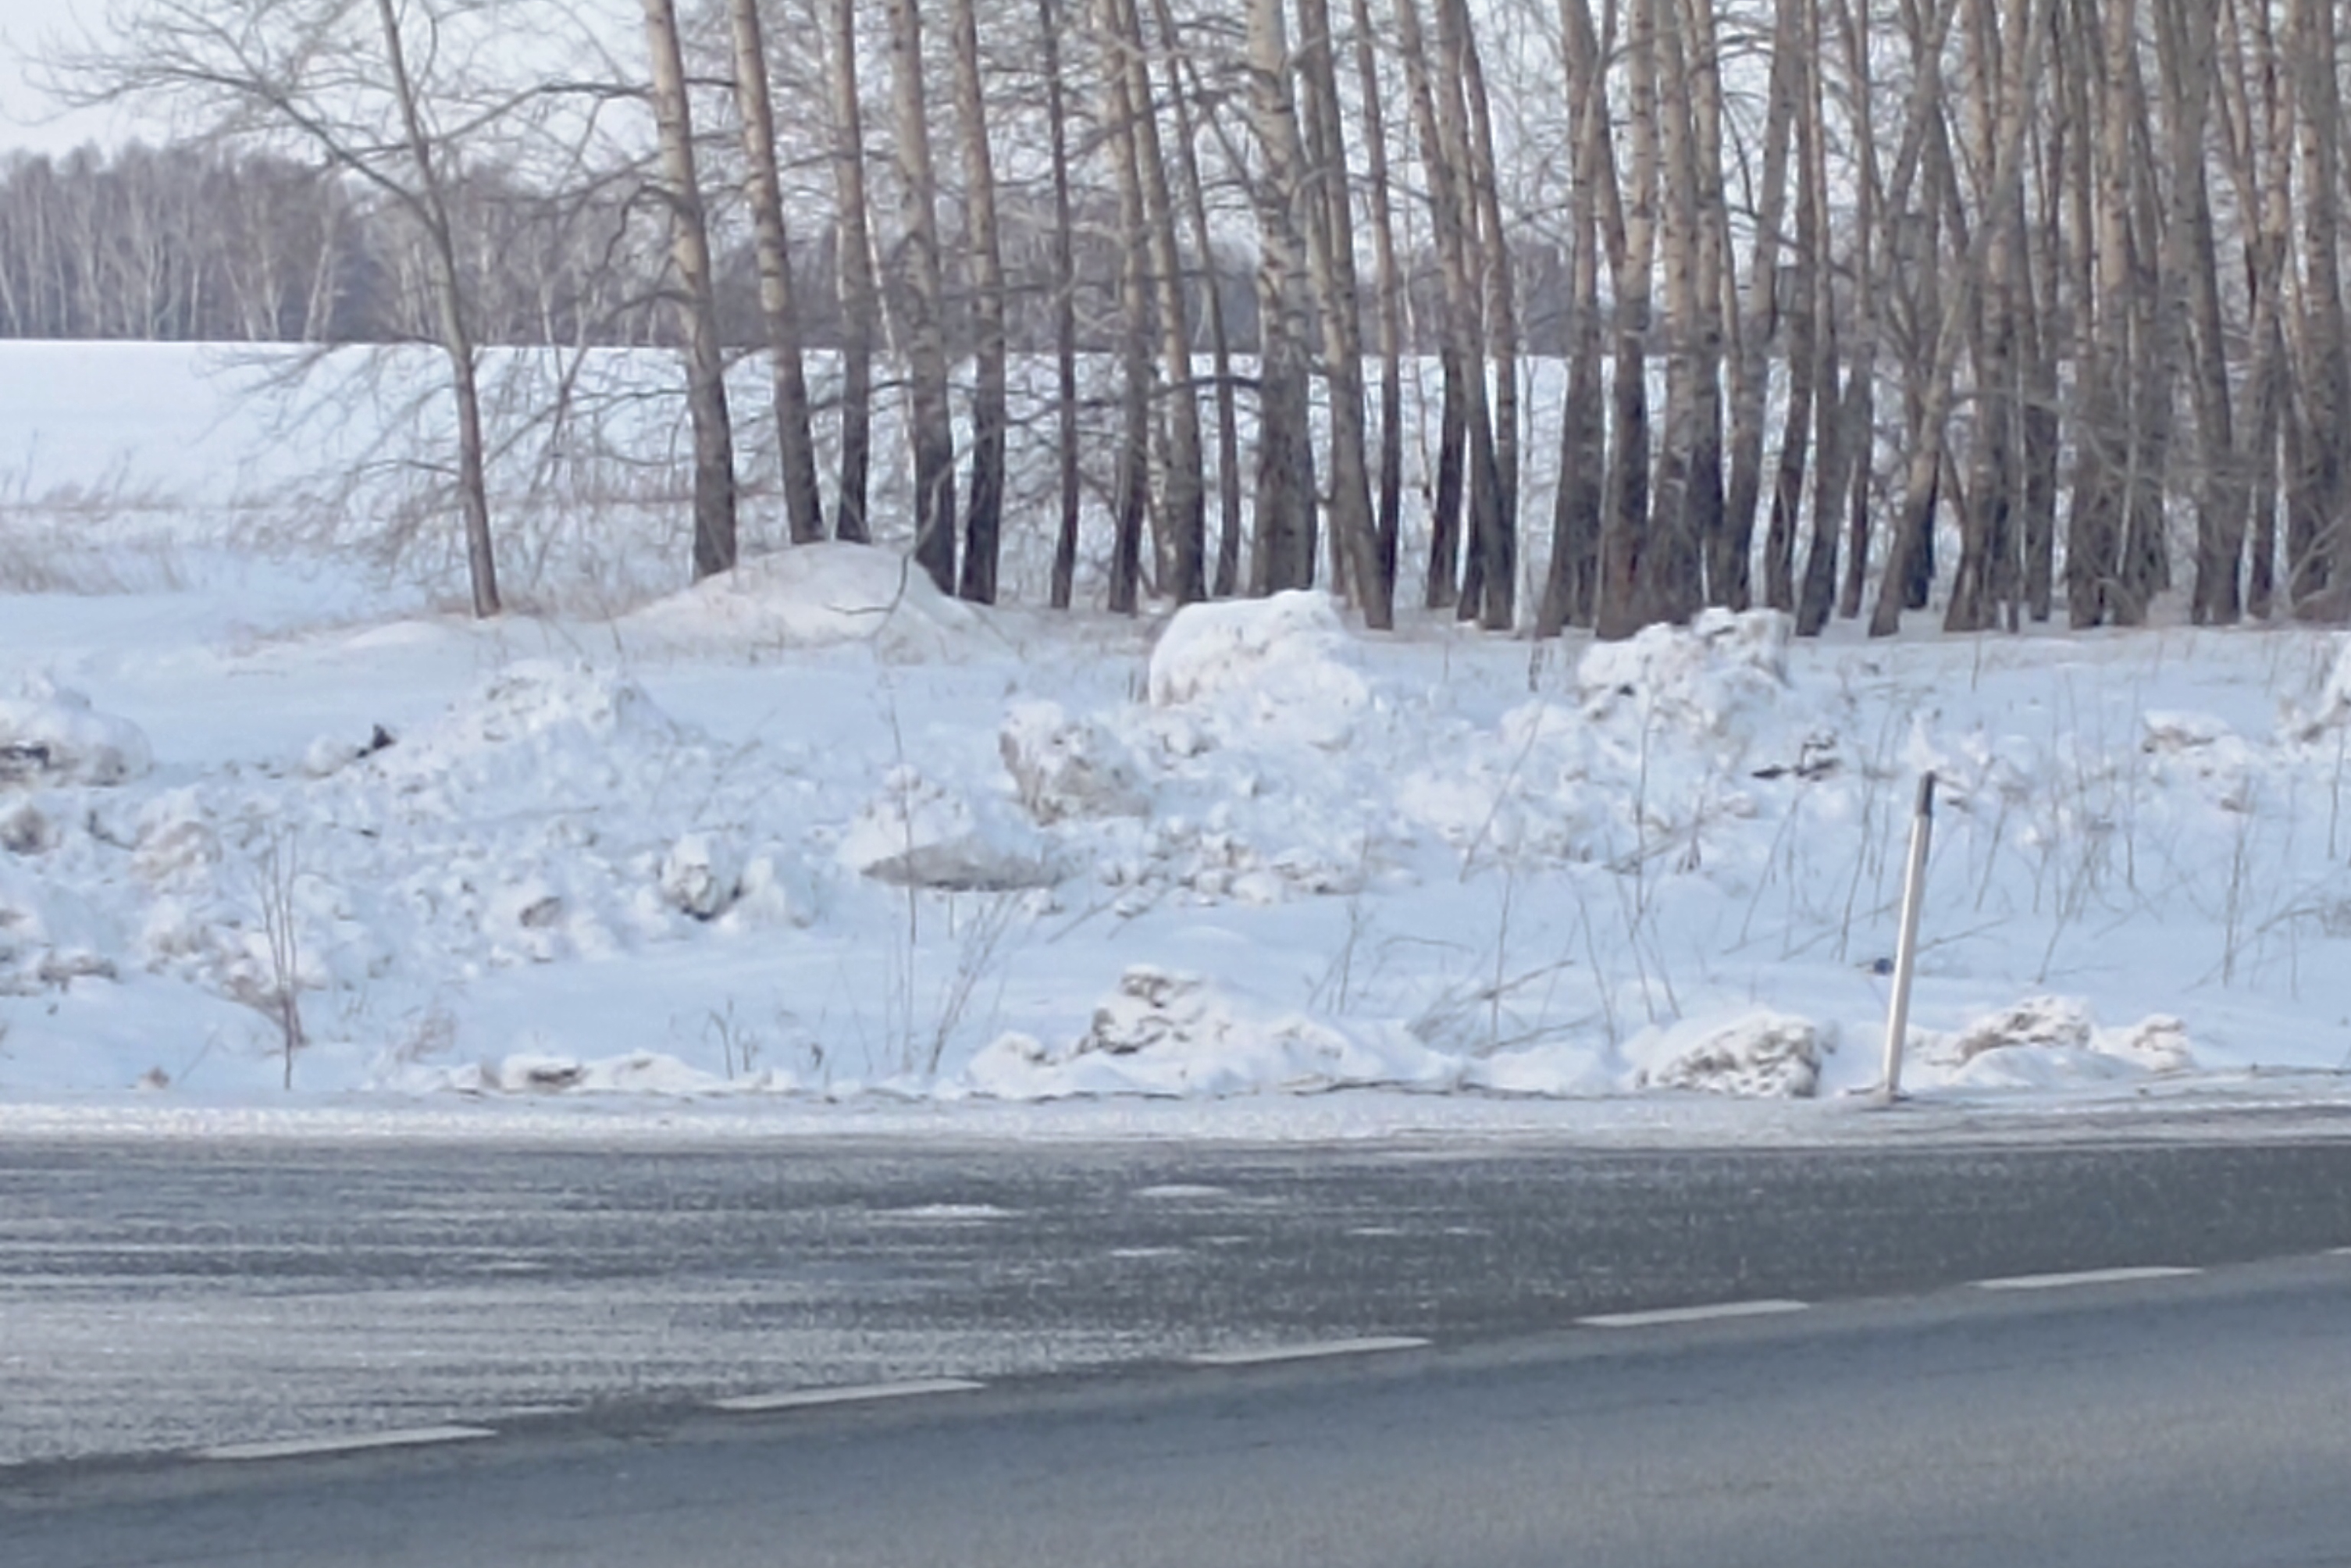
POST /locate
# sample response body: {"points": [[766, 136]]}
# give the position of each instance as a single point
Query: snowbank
{"points": [[813, 596], [1166, 1034], [1279, 665], [713, 850], [50, 734]]}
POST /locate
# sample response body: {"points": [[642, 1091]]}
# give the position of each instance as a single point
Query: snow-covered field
{"points": [[812, 838]]}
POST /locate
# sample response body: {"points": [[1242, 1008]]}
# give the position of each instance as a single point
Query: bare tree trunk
{"points": [[1183, 514], [1980, 585], [1220, 355], [1673, 573], [1065, 308], [2038, 422], [924, 329], [2263, 188], [777, 304], [1752, 364], [1817, 595], [1467, 437], [1724, 551], [1625, 536], [705, 367], [860, 297], [1926, 460], [1134, 483], [1873, 210], [1388, 287], [1493, 437], [2185, 56], [456, 336], [2318, 546], [1331, 261], [1284, 557], [2158, 309], [1571, 588], [984, 504], [1812, 343]]}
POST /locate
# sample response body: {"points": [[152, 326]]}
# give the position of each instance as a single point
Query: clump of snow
{"points": [[541, 705], [2060, 1030], [2042, 1022], [330, 754], [49, 936], [1279, 665], [816, 595], [1064, 768], [545, 1072], [1556, 1070], [1165, 1034], [177, 843], [701, 875], [1725, 665], [1760, 1054], [2332, 708], [2158, 1042], [26, 829], [916, 833], [50, 734]]}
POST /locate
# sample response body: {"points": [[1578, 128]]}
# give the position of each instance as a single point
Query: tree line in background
{"points": [[1803, 285]]}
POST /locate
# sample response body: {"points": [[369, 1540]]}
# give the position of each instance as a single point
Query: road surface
{"points": [[2191, 1419], [159, 1296]]}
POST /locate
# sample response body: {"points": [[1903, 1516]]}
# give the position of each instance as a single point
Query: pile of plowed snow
{"points": [[812, 828]]}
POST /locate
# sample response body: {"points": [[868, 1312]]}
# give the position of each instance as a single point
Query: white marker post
{"points": [[1906, 951]]}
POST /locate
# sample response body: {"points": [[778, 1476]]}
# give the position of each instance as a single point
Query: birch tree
{"points": [[705, 367], [779, 299]]}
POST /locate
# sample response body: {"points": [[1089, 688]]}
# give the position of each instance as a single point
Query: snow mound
{"points": [[1276, 664], [49, 937], [50, 734], [543, 1072], [2332, 709], [700, 874], [26, 829], [1559, 1070], [1064, 768], [1723, 667], [535, 699], [1171, 1035], [818, 595], [1756, 1055], [917, 833], [2035, 1041]]}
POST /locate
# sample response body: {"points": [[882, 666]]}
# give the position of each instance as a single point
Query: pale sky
{"points": [[25, 26]]}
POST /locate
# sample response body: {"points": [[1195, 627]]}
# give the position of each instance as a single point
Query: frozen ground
{"points": [[813, 839]]}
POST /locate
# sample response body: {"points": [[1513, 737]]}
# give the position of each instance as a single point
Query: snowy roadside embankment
{"points": [[812, 830]]}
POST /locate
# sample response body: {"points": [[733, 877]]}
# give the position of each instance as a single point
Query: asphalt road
{"points": [[2195, 1420], [161, 1296]]}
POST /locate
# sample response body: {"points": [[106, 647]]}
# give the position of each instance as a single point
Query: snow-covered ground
{"points": [[810, 837]]}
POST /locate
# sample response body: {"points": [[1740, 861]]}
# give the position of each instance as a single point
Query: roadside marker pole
{"points": [[1905, 952]]}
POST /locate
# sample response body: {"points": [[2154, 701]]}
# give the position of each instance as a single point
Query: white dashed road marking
{"points": [[802, 1399], [1306, 1352], [2085, 1277], [1664, 1315], [349, 1443]]}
